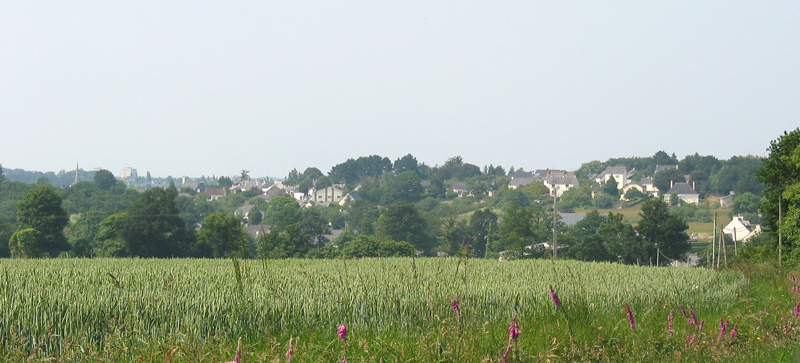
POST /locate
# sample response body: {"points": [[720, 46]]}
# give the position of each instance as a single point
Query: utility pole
{"points": [[555, 223], [714, 241], [780, 229]]}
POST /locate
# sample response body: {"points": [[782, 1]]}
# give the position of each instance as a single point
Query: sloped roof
{"points": [[459, 186], [682, 188], [520, 182], [562, 177], [521, 174]]}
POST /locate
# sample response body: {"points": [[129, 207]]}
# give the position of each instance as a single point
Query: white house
{"points": [[559, 181], [740, 229], [330, 194], [619, 173], [685, 193]]}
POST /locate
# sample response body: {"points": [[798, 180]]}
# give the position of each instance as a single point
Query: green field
{"points": [[394, 309]]}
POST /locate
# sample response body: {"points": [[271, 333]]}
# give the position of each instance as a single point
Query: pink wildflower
{"points": [[513, 330], [684, 312], [722, 328], [454, 304], [630, 316], [555, 297], [290, 352], [702, 324], [733, 332], [342, 332], [669, 319], [693, 320], [797, 310]]}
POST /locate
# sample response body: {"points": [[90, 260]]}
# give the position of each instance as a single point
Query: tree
{"points": [[482, 228], [322, 182], [254, 216], [406, 163], [290, 242], [663, 230], [633, 194], [152, 227], [311, 173], [401, 221], [41, 211], [622, 242], [25, 243], [587, 244], [282, 211], [611, 188], [406, 186], [225, 182], [781, 177], [663, 179], [746, 205], [6, 230], [104, 179], [220, 234], [313, 223], [83, 232]]}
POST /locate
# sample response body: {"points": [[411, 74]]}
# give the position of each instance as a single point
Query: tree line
{"points": [[406, 208]]}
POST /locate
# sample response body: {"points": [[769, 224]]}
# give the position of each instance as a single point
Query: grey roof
{"points": [[355, 196], [646, 181], [459, 186], [520, 182], [571, 219], [562, 177], [615, 170], [521, 174], [682, 188]]}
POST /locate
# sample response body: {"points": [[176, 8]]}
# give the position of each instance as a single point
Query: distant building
{"points": [[128, 172], [685, 192], [740, 229]]}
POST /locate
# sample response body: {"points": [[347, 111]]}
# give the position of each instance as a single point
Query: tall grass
{"points": [[393, 308]]}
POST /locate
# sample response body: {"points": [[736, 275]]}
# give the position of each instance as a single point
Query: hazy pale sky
{"points": [[201, 88]]}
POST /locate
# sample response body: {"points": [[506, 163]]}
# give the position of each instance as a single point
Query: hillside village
{"points": [[438, 210]]}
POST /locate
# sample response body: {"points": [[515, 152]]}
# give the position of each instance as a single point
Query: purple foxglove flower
{"points": [[693, 320], [684, 312], [733, 332], [454, 304], [792, 278], [513, 330], [797, 310], [669, 319], [722, 328], [766, 312], [555, 297], [702, 324], [630, 316], [290, 352], [342, 332]]}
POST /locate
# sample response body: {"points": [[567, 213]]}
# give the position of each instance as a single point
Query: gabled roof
{"points": [[682, 188], [615, 170], [459, 186], [216, 192], [520, 182], [521, 174], [646, 181], [561, 177]]}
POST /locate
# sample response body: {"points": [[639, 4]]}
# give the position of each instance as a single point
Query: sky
{"points": [[214, 87]]}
